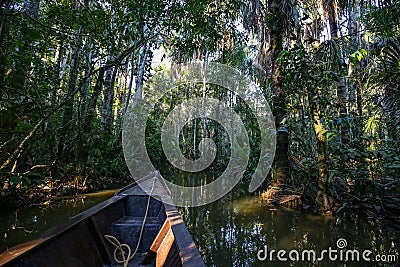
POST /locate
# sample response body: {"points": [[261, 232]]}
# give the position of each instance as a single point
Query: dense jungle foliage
{"points": [[330, 70]]}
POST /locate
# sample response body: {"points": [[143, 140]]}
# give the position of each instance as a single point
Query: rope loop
{"points": [[127, 256]]}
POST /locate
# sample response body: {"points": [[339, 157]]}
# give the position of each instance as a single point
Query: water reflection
{"points": [[230, 232], [17, 226]]}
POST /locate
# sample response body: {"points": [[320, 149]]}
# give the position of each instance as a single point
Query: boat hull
{"points": [[162, 240]]}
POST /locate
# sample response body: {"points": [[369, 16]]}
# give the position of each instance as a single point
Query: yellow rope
{"points": [[120, 247]]}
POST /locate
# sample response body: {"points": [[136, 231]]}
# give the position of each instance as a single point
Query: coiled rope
{"points": [[120, 247]]}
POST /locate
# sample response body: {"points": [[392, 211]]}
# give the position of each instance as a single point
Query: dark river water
{"points": [[233, 230], [24, 224]]}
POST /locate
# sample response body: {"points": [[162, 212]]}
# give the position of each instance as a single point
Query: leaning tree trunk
{"points": [[85, 141]]}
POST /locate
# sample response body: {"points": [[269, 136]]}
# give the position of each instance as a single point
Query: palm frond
{"points": [[389, 77]]}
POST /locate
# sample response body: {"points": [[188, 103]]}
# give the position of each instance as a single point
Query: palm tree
{"points": [[388, 77], [270, 22]]}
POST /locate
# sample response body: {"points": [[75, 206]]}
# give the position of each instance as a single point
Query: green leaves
{"points": [[383, 20], [202, 25], [20, 180], [328, 134], [357, 56], [372, 124]]}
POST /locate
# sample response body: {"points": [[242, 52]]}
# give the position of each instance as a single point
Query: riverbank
{"points": [[53, 190]]}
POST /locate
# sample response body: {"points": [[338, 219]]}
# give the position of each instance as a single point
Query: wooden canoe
{"points": [[165, 240]]}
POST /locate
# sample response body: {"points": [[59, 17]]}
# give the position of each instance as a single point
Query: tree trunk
{"points": [[282, 146], [342, 109], [108, 101], [332, 12], [72, 81], [333, 17], [56, 82], [107, 110], [129, 93], [297, 23], [85, 140], [322, 198], [3, 31], [86, 87], [141, 70], [359, 101], [25, 51], [355, 42]]}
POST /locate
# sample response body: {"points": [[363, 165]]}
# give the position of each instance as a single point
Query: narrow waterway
{"points": [[230, 231]]}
